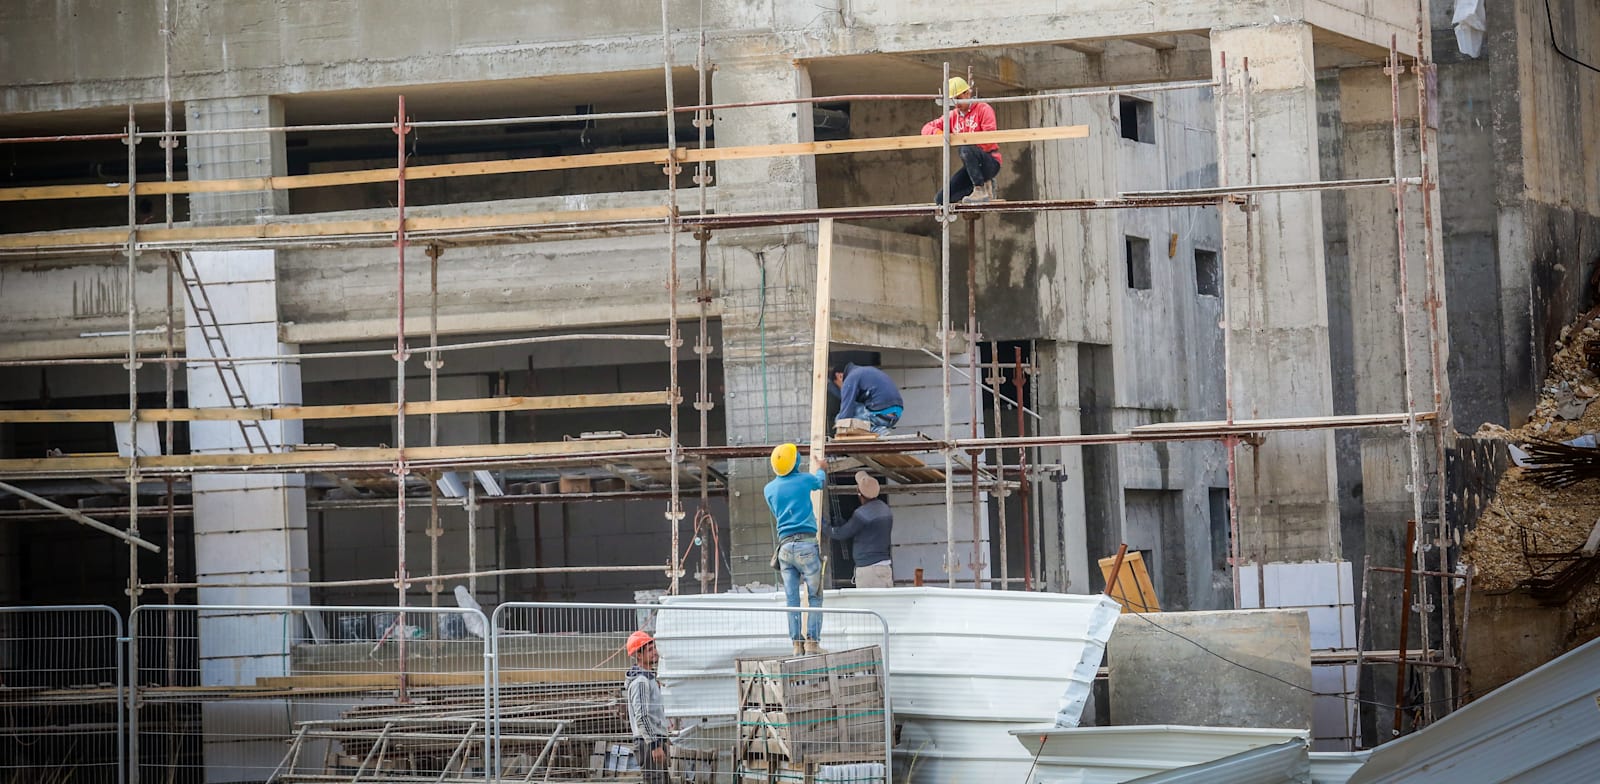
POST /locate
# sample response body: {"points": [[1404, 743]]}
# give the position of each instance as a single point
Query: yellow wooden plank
{"points": [[548, 163], [293, 460], [369, 680], [1134, 590], [347, 411]]}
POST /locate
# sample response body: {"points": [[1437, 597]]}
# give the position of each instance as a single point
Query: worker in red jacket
{"points": [[974, 182]]}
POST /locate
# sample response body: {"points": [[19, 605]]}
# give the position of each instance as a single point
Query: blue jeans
{"points": [[977, 168], [802, 560], [882, 422]]}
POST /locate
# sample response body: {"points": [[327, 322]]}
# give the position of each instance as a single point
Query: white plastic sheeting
{"points": [[964, 665], [1470, 22], [1105, 755]]}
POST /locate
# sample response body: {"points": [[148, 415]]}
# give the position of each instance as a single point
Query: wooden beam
{"points": [[331, 457], [349, 411], [820, 335], [549, 163], [313, 229]]}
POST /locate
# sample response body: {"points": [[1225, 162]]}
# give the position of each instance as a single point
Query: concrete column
{"points": [[232, 155], [1061, 518], [1276, 299], [768, 291]]}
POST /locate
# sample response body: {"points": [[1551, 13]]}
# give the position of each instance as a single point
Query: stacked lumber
{"points": [[801, 713]]}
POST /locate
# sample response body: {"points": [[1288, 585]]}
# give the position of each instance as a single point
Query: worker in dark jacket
{"points": [[868, 394], [868, 530]]}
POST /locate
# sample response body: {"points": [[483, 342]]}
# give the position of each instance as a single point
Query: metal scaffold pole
{"points": [[402, 578], [945, 217], [675, 392]]}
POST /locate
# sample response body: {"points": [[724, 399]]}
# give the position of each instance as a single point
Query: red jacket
{"points": [[975, 117]]}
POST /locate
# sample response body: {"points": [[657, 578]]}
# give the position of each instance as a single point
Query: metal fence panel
{"points": [[308, 694], [560, 706], [61, 693]]}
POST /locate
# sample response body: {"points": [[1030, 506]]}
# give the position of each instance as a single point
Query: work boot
{"points": [[813, 648], [983, 194], [799, 648]]}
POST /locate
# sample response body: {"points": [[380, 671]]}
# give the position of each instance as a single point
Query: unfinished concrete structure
{"points": [[1110, 317]]}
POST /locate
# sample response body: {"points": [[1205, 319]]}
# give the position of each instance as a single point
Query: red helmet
{"points": [[638, 640]]}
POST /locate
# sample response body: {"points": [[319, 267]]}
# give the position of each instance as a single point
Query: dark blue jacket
{"points": [[868, 531], [870, 387]]}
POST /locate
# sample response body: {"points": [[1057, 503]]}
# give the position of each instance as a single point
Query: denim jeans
{"points": [[802, 560], [977, 168], [882, 422]]}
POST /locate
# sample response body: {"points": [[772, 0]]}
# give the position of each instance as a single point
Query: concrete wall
{"points": [[1523, 235]]}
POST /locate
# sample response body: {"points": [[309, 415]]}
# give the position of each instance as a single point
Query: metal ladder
{"points": [[206, 320]]}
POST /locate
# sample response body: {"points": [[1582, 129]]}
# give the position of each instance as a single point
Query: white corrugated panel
{"points": [[1105, 755], [964, 665]]}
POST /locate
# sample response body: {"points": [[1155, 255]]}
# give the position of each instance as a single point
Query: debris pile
{"points": [[1532, 529]]}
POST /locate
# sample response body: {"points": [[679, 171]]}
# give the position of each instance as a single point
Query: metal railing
{"points": [[309, 694]]}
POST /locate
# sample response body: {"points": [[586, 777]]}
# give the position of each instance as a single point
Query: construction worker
{"points": [[869, 395], [647, 715], [798, 556], [974, 182], [868, 531]]}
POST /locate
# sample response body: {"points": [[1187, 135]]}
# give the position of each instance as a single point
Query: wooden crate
{"points": [[807, 708]]}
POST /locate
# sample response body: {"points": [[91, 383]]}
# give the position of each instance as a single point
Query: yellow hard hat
{"points": [[784, 456], [957, 86]]}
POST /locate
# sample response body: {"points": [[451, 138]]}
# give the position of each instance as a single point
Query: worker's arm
{"points": [[848, 396], [850, 528], [818, 479], [931, 127], [638, 714]]}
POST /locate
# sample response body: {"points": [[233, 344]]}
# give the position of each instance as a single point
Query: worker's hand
{"points": [[659, 754], [819, 462]]}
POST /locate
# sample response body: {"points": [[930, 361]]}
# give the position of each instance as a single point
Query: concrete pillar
{"points": [[248, 528], [1061, 518], [768, 291], [1276, 299], [233, 155]]}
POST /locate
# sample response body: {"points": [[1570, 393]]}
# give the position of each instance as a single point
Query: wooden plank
{"points": [[1133, 590], [291, 460], [348, 411], [821, 331], [312, 229], [373, 680], [547, 163]]}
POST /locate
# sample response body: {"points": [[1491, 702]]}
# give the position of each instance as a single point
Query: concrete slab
{"points": [[1158, 676]]}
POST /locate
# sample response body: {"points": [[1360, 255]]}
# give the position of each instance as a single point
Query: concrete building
{"points": [[1116, 313]]}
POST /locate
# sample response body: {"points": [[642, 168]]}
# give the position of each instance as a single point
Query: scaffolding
{"points": [[975, 463]]}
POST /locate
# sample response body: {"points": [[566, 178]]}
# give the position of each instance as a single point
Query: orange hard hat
{"points": [[638, 640]]}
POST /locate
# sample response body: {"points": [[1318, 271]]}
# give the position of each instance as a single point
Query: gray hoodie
{"points": [[647, 716]]}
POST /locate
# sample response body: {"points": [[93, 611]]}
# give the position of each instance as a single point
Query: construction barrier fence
{"points": [[61, 695], [538, 692]]}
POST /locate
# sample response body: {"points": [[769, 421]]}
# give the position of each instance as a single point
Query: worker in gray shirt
{"points": [[647, 716], [868, 530]]}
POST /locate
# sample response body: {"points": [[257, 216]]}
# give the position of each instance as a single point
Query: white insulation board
{"points": [[964, 665]]}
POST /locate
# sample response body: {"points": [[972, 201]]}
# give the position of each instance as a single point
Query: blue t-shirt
{"points": [[789, 498]]}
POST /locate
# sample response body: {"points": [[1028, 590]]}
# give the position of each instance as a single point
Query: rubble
{"points": [[1524, 517]]}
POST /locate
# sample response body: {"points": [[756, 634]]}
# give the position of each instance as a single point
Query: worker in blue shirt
{"points": [[799, 558], [868, 394]]}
